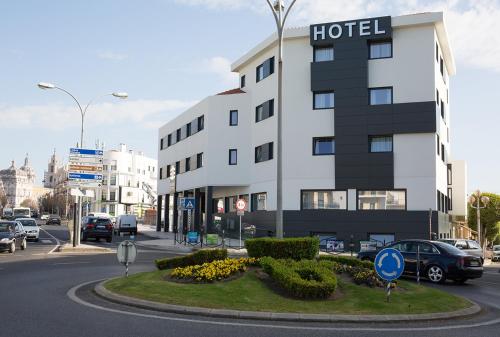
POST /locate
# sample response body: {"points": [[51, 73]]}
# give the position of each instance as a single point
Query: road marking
{"points": [[72, 295], [58, 243], [67, 263], [46, 241]]}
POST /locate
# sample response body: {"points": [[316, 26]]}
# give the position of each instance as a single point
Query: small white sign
{"points": [[241, 204]]}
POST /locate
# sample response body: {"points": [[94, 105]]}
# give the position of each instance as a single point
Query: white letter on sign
{"points": [[339, 31], [363, 27], [350, 24], [317, 32], [377, 31]]}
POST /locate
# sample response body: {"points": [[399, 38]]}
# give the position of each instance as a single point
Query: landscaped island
{"points": [[281, 276]]}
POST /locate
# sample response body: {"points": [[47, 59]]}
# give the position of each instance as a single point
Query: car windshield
{"points": [[98, 221], [5, 227], [496, 248], [28, 223], [452, 250]]}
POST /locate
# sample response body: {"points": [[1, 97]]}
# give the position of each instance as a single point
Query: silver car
{"points": [[471, 247], [496, 254]]}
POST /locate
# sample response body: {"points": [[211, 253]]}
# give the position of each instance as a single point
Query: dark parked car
{"points": [[12, 236], [97, 228], [439, 261], [53, 219]]}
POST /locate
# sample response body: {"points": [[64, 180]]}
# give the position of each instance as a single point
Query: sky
{"points": [[169, 54]]}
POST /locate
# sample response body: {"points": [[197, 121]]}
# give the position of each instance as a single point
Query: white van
{"points": [[126, 223]]}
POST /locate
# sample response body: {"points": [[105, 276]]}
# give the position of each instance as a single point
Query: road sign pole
{"points": [[388, 291], [240, 231], [418, 264]]}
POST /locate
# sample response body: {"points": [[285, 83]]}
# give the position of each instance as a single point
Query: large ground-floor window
{"points": [[323, 199], [382, 200]]}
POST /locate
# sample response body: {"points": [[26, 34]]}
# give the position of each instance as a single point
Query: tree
{"points": [[490, 218], [29, 203]]}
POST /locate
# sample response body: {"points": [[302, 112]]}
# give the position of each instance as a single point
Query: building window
{"points": [[264, 152], [380, 96], [450, 199], [323, 53], [327, 199], [233, 117], [264, 111], [380, 50], [199, 160], [380, 143], [231, 203], [233, 157], [442, 110], [438, 144], [265, 69], [111, 209], [201, 123], [161, 172], [437, 97], [167, 174], [381, 240], [161, 144], [449, 176], [113, 180], [169, 140], [178, 135], [324, 100], [437, 52], [323, 146], [259, 202], [442, 153], [188, 164], [188, 130], [112, 196], [242, 81], [382, 200], [177, 167], [441, 66]]}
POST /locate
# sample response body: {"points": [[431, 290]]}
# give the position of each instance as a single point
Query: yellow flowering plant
{"points": [[212, 271]]}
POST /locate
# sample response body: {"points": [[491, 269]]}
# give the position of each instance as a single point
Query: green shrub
{"points": [[303, 279], [199, 257], [289, 248], [346, 260]]}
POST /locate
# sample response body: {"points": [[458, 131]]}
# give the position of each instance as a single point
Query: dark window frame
{"points": [[270, 104], [382, 41], [380, 189], [370, 138], [270, 152], [161, 143], [315, 139], [328, 46], [199, 160], [324, 190], [229, 160], [252, 204], [380, 88], [231, 117], [242, 81], [323, 92], [271, 61], [449, 174], [450, 199]]}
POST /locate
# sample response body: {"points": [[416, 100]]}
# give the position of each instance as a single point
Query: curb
{"points": [[102, 292]]}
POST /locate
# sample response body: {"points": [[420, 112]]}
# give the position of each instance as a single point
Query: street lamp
{"points": [[45, 86], [280, 16], [478, 199]]}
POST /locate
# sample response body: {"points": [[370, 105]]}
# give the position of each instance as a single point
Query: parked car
{"points": [[53, 219], [495, 257], [469, 246], [45, 216], [12, 236], [97, 228], [439, 261], [126, 224], [30, 228]]}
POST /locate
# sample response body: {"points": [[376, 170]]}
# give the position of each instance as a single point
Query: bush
{"points": [[211, 271], [199, 257], [289, 248], [303, 279], [346, 260]]}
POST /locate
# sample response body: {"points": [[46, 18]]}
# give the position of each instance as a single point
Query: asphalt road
{"points": [[35, 302]]}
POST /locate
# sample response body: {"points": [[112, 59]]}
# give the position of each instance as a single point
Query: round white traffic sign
{"points": [[241, 204], [126, 252]]}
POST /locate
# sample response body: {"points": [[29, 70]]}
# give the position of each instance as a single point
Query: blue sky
{"points": [[168, 54]]}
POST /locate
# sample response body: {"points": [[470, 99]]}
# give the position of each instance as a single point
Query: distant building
{"points": [[50, 176], [18, 183]]}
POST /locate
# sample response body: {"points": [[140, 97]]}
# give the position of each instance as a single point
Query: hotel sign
{"points": [[358, 29]]}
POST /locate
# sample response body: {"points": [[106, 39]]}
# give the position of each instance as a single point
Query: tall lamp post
{"points": [[280, 16], [83, 112], [477, 198]]}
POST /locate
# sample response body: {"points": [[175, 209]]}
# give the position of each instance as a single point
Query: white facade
{"points": [[419, 46], [18, 183]]}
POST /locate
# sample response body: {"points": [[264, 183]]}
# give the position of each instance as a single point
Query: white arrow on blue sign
{"points": [[389, 264]]}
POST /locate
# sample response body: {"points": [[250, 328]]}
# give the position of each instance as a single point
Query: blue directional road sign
{"points": [[85, 176], [389, 264], [88, 152], [188, 203]]}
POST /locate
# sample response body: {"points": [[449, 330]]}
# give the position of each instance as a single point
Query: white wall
{"points": [[459, 188]]}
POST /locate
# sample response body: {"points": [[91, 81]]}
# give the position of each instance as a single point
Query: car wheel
{"points": [[24, 244], [12, 247], [435, 274]]}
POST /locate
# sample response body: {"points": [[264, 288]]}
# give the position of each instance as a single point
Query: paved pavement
{"points": [[35, 297]]}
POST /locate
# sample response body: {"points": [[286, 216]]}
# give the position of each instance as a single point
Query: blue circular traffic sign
{"points": [[389, 264]]}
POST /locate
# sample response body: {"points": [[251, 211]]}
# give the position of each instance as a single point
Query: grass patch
{"points": [[251, 293]]}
